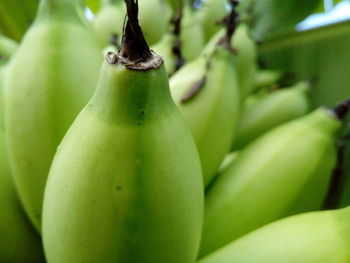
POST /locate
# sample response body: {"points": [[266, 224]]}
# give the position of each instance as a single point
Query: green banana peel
{"points": [[154, 17], [18, 240], [109, 21], [127, 172], [270, 110], [265, 78], [165, 49], [191, 35], [317, 237], [51, 77], [271, 179], [211, 13], [246, 56], [206, 92]]}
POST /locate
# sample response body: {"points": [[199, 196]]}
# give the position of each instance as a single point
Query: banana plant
{"points": [[269, 17], [16, 16], [319, 54]]}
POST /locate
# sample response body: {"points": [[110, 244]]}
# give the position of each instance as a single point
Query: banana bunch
{"points": [[51, 77], [18, 240], [117, 173], [263, 112], [284, 172], [318, 237], [16, 16]]}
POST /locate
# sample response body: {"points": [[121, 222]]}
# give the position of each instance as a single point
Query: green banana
{"points": [[266, 78], [284, 172], [154, 19], [191, 35], [271, 110], [165, 49], [51, 77], [18, 240], [126, 178], [210, 14], [108, 22], [184, 44], [206, 92], [317, 237], [246, 56]]}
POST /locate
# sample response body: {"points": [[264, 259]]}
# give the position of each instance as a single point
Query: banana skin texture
{"points": [[109, 21], [317, 237], [285, 172], [269, 111], [192, 35], [154, 19], [211, 13], [246, 57], [206, 92], [51, 77], [165, 48], [19, 243], [128, 176]]}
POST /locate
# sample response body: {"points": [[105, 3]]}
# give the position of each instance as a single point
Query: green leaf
{"points": [[322, 54], [268, 17], [94, 5], [16, 16]]}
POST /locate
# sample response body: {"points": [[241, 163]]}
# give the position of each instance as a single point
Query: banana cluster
{"points": [[152, 134]]}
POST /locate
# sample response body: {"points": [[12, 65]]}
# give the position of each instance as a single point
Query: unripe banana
{"points": [[246, 52], [19, 242], [51, 77], [185, 42], [154, 19], [109, 21], [165, 49], [284, 172], [192, 35], [271, 110], [126, 178], [210, 14], [206, 92], [266, 78], [318, 237]]}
